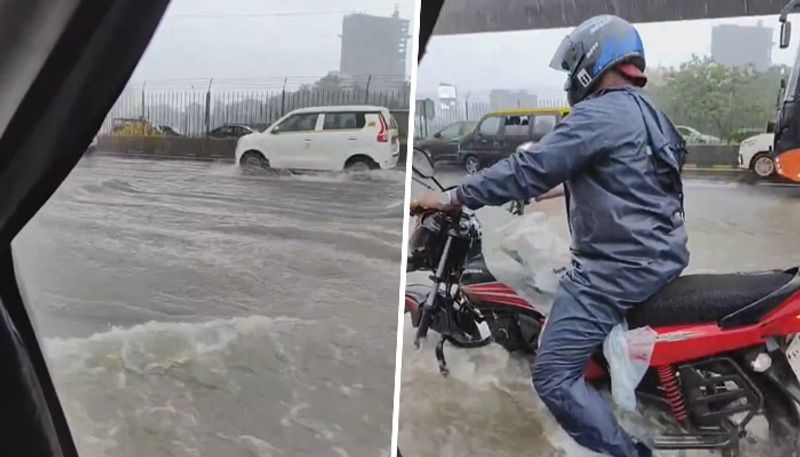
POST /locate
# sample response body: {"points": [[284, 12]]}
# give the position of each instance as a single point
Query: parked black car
{"points": [[166, 130], [498, 135], [442, 146], [230, 131]]}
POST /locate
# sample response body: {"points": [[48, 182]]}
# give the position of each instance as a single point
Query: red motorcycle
{"points": [[727, 347]]}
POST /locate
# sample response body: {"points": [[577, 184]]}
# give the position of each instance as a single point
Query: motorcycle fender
{"points": [[781, 374], [415, 296]]}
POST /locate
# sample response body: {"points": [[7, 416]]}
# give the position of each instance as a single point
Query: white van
{"points": [[353, 138]]}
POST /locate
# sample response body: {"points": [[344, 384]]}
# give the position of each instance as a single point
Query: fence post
{"points": [[283, 97], [366, 92], [466, 106], [144, 84], [730, 110], [425, 115], [208, 107]]}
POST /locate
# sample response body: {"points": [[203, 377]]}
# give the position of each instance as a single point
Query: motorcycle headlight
{"points": [[426, 243]]}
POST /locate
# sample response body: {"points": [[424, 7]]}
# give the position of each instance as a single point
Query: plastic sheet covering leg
{"points": [[628, 353]]}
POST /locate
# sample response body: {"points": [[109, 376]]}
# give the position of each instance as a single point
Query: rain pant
{"points": [[619, 158]]}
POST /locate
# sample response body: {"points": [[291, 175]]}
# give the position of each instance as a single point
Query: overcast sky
{"points": [[519, 60], [277, 38], [253, 38]]}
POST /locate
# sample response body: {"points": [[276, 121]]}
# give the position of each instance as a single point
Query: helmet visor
{"points": [[564, 58]]}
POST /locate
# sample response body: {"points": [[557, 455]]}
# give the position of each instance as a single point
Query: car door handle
{"points": [[307, 140], [352, 139]]}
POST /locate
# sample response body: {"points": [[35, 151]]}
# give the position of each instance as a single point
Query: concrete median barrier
{"points": [[168, 147], [214, 149], [713, 156], [175, 147]]}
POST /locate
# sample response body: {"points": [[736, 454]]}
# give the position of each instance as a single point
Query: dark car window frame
{"points": [[500, 125], [361, 118], [459, 129], [282, 125], [467, 128]]}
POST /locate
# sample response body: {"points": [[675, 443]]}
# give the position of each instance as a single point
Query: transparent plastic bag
{"points": [[529, 257], [628, 353]]}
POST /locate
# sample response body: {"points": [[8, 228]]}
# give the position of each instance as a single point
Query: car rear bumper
{"points": [[391, 162]]}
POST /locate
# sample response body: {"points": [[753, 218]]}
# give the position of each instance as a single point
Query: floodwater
{"points": [[192, 310], [487, 406]]}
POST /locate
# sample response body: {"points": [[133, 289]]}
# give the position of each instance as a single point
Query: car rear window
{"points": [[344, 121], [517, 126]]}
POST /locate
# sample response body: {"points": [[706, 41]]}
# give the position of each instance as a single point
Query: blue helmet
{"points": [[597, 45]]}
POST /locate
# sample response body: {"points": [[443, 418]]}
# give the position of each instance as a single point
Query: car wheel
{"points": [[253, 159], [472, 165], [762, 165], [360, 165]]}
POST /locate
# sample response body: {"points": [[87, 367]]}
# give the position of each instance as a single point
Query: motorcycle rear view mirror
{"points": [[422, 164]]}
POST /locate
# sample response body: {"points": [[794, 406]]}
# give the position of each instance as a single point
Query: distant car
{"points": [[693, 136], [230, 131], [166, 130], [755, 154], [442, 146], [744, 133], [498, 135], [354, 138], [133, 127]]}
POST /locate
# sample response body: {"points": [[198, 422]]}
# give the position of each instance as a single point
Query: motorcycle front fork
{"points": [[459, 344]]}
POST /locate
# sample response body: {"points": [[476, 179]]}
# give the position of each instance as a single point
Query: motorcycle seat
{"points": [[732, 300]]}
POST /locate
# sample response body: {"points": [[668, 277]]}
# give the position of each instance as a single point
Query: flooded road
{"points": [[487, 406], [191, 310]]}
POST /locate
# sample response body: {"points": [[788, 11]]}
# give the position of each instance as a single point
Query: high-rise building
{"points": [[739, 46], [374, 45], [509, 99]]}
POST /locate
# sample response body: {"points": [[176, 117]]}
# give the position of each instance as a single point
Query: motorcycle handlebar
{"points": [[418, 210]]}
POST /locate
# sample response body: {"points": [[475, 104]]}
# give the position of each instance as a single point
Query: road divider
{"points": [[182, 148]]}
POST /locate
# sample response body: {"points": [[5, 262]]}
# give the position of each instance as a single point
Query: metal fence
{"points": [[740, 124], [193, 108]]}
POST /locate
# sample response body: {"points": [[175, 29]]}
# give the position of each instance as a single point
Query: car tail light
{"points": [[383, 134]]}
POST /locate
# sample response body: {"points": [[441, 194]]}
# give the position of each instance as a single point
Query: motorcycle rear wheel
{"points": [[783, 417]]}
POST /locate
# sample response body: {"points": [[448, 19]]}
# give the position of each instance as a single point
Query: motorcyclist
{"points": [[619, 159]]}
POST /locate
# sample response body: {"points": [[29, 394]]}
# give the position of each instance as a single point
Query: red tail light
{"points": [[383, 135]]}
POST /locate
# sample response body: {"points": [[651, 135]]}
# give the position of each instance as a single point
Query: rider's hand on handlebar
{"points": [[435, 201]]}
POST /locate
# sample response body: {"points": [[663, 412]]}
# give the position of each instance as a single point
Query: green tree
{"points": [[718, 99]]}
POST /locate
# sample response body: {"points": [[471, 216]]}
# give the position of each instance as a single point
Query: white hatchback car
{"points": [[353, 138], [755, 154]]}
